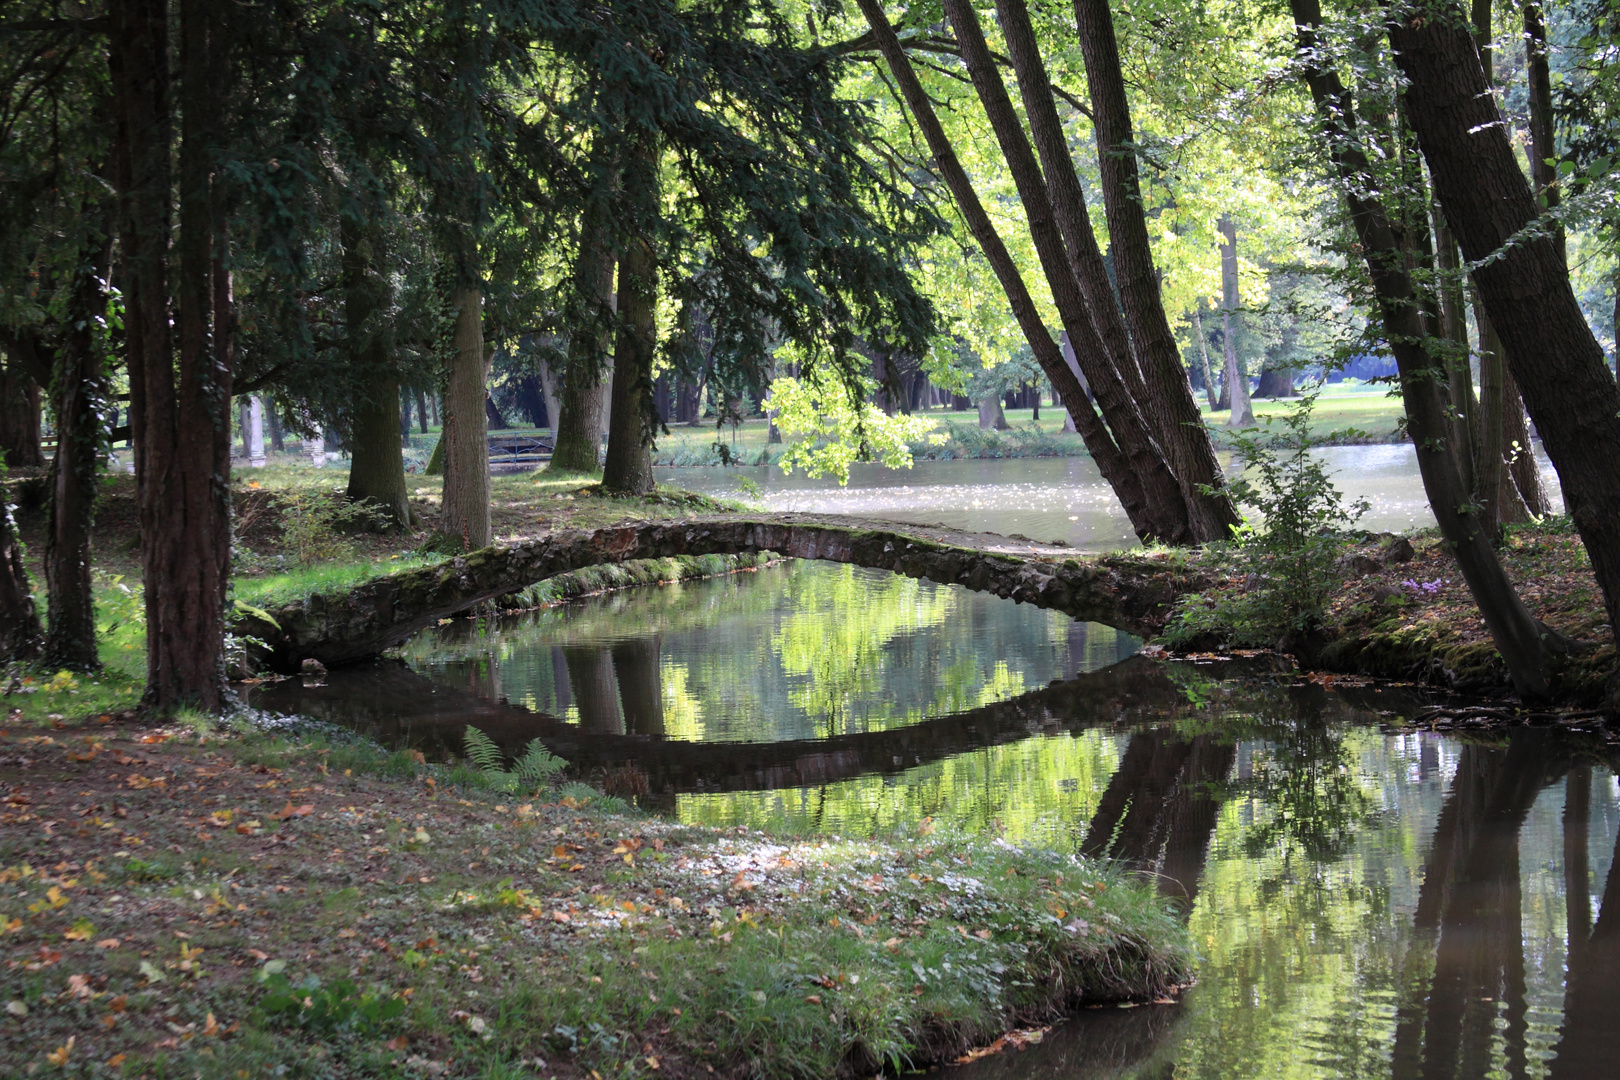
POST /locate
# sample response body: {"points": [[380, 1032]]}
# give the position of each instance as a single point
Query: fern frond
{"points": [[537, 765], [483, 751]]}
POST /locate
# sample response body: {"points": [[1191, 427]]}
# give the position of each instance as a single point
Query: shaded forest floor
{"points": [[182, 901]]}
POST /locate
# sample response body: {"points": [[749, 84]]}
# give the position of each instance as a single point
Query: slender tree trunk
{"points": [[1522, 465], [1577, 871], [1203, 356], [377, 466], [578, 429], [549, 391], [421, 412], [633, 420], [1465, 411], [465, 516], [1181, 428], [1498, 498], [1235, 377], [20, 633], [1541, 148], [79, 392], [19, 413], [1111, 462], [1550, 349], [1523, 643]]}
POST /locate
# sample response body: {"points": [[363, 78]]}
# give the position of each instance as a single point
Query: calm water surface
{"points": [[1049, 499], [1366, 902]]}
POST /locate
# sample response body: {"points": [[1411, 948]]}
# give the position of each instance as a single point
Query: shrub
{"points": [[1288, 563]]}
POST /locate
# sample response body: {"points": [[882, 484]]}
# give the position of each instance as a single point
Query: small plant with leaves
{"points": [[317, 526], [1287, 563], [535, 768]]}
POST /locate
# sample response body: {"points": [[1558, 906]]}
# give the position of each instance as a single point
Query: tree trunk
{"points": [[1203, 357], [19, 413], [1522, 642], [1275, 383], [578, 429], [1522, 464], [1465, 412], [181, 426], [465, 516], [421, 412], [1541, 148], [1234, 378], [78, 391], [991, 418], [590, 678], [1131, 435], [1550, 349], [1498, 498], [1133, 345], [377, 466], [633, 420], [1181, 428], [641, 685], [20, 634]]}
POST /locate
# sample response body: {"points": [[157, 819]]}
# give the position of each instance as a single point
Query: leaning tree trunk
{"points": [[633, 420], [1522, 464], [991, 417], [1121, 410], [1498, 498], [1550, 349], [79, 392], [377, 465], [1541, 148], [1234, 377], [579, 427], [1523, 643], [465, 517], [20, 634], [1182, 430], [1110, 461]]}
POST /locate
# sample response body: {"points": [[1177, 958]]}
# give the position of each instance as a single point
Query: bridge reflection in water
{"points": [[1366, 901]]}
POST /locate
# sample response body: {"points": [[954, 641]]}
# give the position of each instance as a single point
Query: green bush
{"points": [[1288, 563]]}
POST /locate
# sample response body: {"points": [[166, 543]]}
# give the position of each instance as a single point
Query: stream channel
{"points": [[1367, 900]]}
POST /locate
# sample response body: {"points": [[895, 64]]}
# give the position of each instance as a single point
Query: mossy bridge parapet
{"points": [[1132, 592]]}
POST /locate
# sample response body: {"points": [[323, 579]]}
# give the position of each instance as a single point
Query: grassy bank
{"points": [[180, 904]]}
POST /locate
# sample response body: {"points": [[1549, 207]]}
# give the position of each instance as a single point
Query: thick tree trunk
{"points": [[19, 413], [1234, 380], [376, 467], [1275, 383], [1550, 349], [1203, 356], [641, 684], [465, 517], [590, 678], [20, 634], [1181, 428], [991, 418], [578, 428], [633, 420], [79, 392], [1147, 487], [1522, 642]]}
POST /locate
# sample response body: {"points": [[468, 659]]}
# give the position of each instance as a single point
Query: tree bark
{"points": [[1498, 498], [991, 417], [1203, 356], [1550, 349], [421, 412], [465, 516], [1152, 494], [20, 633], [1465, 411], [19, 412], [377, 466], [1182, 430], [1234, 377], [578, 428], [1522, 642], [633, 419], [78, 392], [1541, 148]]}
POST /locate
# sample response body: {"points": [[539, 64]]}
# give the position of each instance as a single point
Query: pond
{"points": [[1048, 499], [1367, 900]]}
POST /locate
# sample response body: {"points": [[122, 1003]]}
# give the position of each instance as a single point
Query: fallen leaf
{"points": [[108, 943], [79, 986], [17, 1008], [814, 999], [60, 1055], [652, 1063], [398, 1043], [116, 1060], [291, 811], [151, 972]]}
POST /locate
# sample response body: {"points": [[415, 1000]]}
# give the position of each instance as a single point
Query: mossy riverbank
{"points": [[184, 902]]}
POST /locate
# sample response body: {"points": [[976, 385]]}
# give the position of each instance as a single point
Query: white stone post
{"points": [[315, 447]]}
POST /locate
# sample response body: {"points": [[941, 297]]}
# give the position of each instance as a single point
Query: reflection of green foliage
{"points": [[1313, 799], [1041, 790]]}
